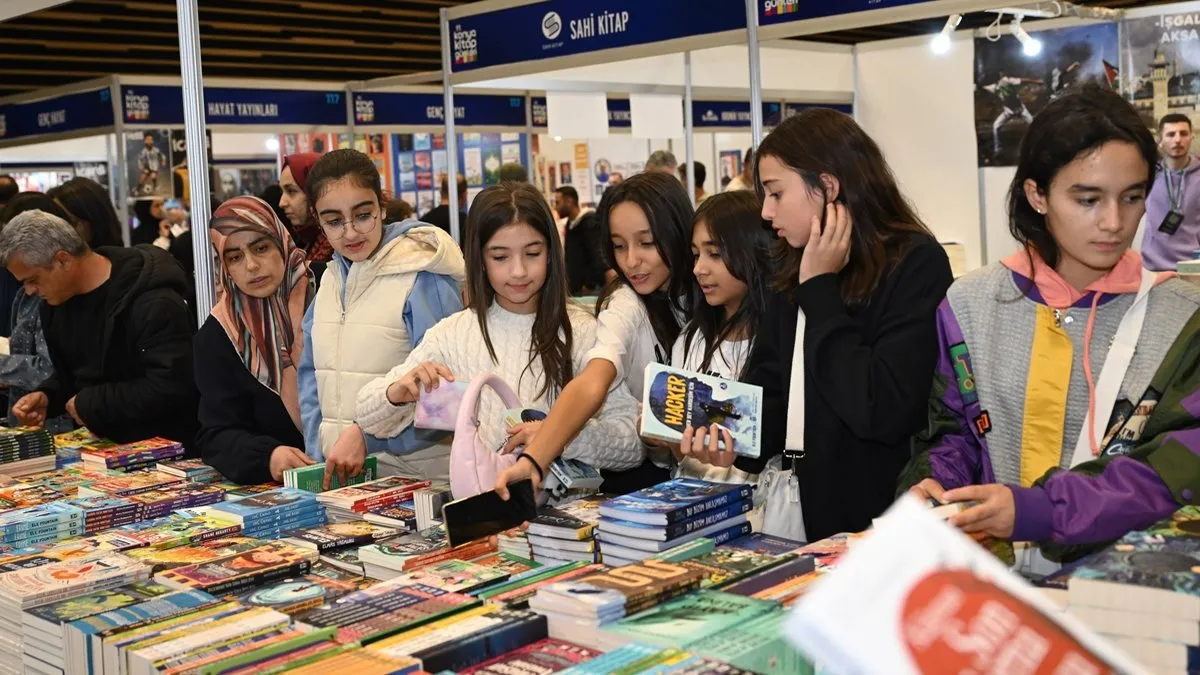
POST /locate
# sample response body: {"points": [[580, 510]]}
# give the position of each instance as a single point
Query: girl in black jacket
{"points": [[247, 350], [861, 276]]}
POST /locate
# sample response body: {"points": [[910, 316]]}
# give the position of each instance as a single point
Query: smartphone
{"points": [[486, 514]]}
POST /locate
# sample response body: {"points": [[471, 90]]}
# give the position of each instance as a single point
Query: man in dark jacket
{"points": [[118, 330], [440, 214], [585, 266]]}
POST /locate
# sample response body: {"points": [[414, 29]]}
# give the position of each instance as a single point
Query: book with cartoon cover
{"points": [[129, 484], [54, 581], [299, 594], [676, 398], [453, 576], [673, 501], [268, 562], [280, 502], [180, 527], [49, 617], [160, 559]]}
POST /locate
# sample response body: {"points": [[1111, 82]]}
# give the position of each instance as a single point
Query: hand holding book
{"points": [[284, 457], [994, 513], [346, 457], [426, 375], [710, 445]]}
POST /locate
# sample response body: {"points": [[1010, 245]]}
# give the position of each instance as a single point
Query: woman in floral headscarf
{"points": [[247, 350]]}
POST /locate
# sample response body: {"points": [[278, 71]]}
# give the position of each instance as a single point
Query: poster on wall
{"points": [[731, 166], [148, 156], [1160, 68], [255, 181], [490, 148], [1011, 87], [406, 177], [473, 166], [581, 176], [230, 184], [379, 150], [564, 173], [423, 167], [97, 171]]}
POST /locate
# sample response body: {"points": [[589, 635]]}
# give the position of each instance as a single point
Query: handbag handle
{"points": [[468, 410]]}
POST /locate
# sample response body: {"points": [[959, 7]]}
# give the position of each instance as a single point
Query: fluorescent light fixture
{"points": [[1030, 45], [272, 144], [941, 41]]}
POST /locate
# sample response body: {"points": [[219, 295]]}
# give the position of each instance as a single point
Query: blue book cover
{"points": [[673, 501], [676, 530], [268, 503], [79, 633], [639, 549], [674, 399]]}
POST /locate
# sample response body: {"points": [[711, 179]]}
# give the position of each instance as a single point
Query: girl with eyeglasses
{"points": [[387, 284]]}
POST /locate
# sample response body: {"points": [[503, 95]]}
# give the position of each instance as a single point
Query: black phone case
{"points": [[486, 514]]}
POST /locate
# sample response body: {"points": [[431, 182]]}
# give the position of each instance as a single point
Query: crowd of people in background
{"points": [[1053, 392]]}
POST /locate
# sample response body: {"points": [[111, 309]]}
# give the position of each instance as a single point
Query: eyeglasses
{"points": [[363, 223]]}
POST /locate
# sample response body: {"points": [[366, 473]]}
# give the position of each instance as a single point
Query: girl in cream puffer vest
{"points": [[385, 287]]}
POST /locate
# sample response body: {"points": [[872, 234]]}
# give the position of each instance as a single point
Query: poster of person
{"points": [[1160, 66], [148, 162], [230, 185], [731, 165], [1011, 87], [255, 181]]}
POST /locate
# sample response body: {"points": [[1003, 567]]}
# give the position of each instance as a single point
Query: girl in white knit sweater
{"points": [[520, 326]]}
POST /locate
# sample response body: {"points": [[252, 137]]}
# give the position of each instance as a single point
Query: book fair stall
{"points": [[136, 559]]}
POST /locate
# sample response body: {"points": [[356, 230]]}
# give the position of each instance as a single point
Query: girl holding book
{"points": [[520, 326], [388, 284], [645, 226], [731, 246], [847, 340], [1065, 396], [249, 400]]}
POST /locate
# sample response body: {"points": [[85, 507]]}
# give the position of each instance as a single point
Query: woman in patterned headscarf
{"points": [[247, 350]]}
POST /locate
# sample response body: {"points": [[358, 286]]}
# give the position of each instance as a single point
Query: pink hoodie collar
{"points": [[1124, 277]]}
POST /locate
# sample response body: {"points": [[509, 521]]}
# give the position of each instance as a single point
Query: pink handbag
{"points": [[473, 465]]}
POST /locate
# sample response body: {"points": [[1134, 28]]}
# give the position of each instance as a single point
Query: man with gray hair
{"points": [[663, 161], [118, 330]]}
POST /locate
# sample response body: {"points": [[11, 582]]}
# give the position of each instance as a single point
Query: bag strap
{"points": [[795, 414], [468, 410], [1116, 364]]}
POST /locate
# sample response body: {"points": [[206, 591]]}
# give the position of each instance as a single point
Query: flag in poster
{"points": [[1011, 87], [1160, 67]]}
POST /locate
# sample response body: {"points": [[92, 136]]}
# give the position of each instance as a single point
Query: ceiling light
{"points": [[558, 139], [272, 144], [941, 41], [1030, 45]]}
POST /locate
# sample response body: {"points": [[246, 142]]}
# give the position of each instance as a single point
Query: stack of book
{"points": [[131, 456], [25, 450], [194, 644], [339, 536], [1143, 593], [351, 502], [183, 526], [127, 484], [44, 627], [311, 478], [410, 551], [577, 608], [269, 515], [401, 516], [464, 639], [516, 593], [67, 480], [84, 638], [68, 445], [636, 526], [20, 495], [270, 561], [191, 470], [26, 589], [565, 533], [104, 513], [429, 502], [49, 522], [544, 656], [383, 610], [160, 502]]}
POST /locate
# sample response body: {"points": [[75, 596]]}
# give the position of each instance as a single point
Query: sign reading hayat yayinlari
{"points": [[566, 27]]}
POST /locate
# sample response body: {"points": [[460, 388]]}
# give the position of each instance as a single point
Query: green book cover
{"points": [[687, 551], [311, 478], [689, 618], [758, 645], [317, 635], [530, 580]]}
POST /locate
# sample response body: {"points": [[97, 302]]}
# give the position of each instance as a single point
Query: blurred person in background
{"points": [[514, 171], [150, 216], [744, 180], [440, 215], [397, 210], [663, 161], [89, 209], [293, 180], [8, 190], [701, 176]]}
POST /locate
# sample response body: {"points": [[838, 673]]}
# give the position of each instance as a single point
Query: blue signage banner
{"points": [[566, 27], [163, 105], [405, 109], [710, 114], [69, 112], [619, 115], [771, 12]]}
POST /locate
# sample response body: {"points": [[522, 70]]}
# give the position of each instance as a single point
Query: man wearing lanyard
{"points": [[1172, 209]]}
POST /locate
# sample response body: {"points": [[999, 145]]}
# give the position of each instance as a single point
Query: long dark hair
{"points": [[85, 199], [31, 201], [1070, 127], [669, 211], [339, 164], [735, 225], [506, 204], [819, 142]]}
